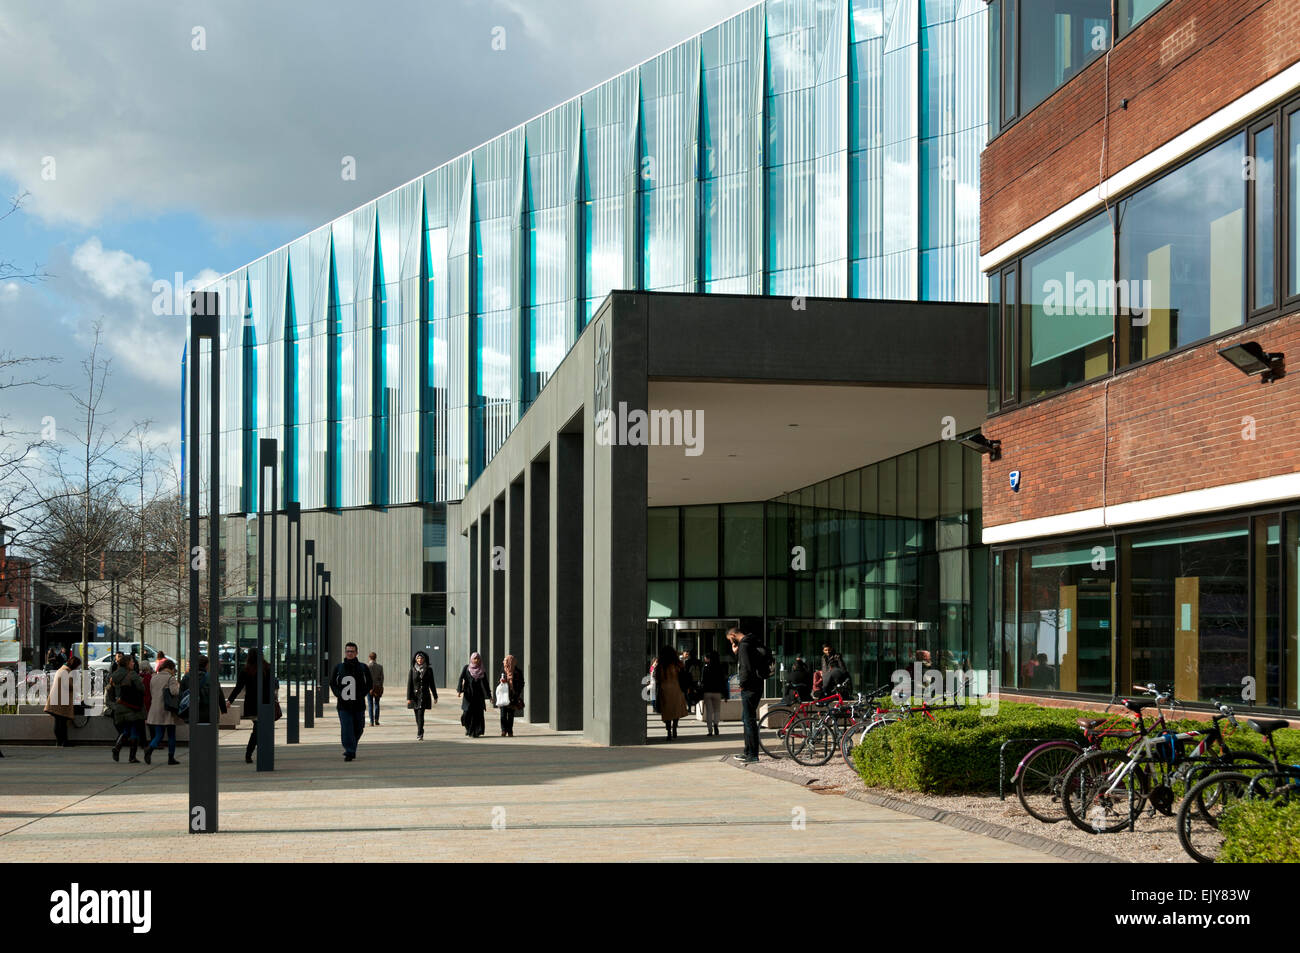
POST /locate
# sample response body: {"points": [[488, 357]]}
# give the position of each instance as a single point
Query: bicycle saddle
{"points": [[1137, 704], [1269, 726], [1088, 723]]}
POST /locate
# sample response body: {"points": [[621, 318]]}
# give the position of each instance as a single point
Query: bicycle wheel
{"points": [[771, 731], [810, 741], [853, 737], [1095, 799], [1038, 785], [1204, 805]]}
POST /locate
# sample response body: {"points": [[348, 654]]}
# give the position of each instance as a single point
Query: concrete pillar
{"points": [[483, 634], [471, 626], [499, 567], [567, 574], [515, 572], [537, 652]]}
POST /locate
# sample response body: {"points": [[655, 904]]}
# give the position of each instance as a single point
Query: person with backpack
{"points": [[754, 666]]}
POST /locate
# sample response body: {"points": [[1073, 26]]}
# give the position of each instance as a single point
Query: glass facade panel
{"points": [[742, 540], [1182, 252], [1293, 203], [795, 148], [662, 542], [1133, 12], [700, 541], [1263, 199]]}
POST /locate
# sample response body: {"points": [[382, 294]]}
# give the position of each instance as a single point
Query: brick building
{"points": [[15, 604], [1140, 228]]}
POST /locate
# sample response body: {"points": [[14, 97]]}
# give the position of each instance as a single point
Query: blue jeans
{"points": [[353, 724], [158, 737], [372, 705], [749, 718]]}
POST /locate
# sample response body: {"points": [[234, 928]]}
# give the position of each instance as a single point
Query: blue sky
{"points": [[193, 136]]}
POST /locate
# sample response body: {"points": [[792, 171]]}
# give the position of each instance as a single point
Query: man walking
{"points": [[376, 689], [753, 665], [350, 684]]}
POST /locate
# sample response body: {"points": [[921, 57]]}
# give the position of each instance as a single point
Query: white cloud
{"points": [[115, 274]]}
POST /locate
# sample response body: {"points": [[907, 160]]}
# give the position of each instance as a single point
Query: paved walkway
{"points": [[439, 799]]}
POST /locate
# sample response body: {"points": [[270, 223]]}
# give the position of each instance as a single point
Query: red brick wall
{"points": [[1188, 60], [1175, 425]]}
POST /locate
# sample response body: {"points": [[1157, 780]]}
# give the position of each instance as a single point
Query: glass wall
{"points": [[1133, 12], [1189, 256], [705, 562], [1209, 608]]}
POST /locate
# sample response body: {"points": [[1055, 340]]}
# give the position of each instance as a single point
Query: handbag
{"points": [[172, 703], [519, 705]]}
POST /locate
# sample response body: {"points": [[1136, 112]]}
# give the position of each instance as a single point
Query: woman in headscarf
{"points": [[473, 691], [672, 698], [513, 678], [421, 692]]}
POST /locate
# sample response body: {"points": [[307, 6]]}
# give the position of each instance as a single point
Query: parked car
{"points": [[100, 654]]}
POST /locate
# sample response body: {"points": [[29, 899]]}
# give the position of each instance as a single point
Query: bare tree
{"points": [[8, 269], [21, 496]]}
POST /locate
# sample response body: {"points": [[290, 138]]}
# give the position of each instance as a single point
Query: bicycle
{"points": [[1105, 791], [812, 739], [1211, 797], [884, 717], [776, 721]]}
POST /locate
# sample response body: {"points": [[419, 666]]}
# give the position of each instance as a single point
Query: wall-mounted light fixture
{"points": [[982, 444], [1249, 357]]}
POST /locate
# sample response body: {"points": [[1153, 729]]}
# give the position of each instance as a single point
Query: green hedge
{"points": [[1260, 832], [958, 753]]}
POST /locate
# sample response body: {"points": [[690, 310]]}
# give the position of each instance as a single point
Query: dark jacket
{"points": [[356, 669], [205, 695], [837, 682], [421, 692], [246, 682], [800, 681], [747, 665], [715, 678], [474, 692]]}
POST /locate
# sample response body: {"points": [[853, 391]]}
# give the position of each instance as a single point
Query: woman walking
{"points": [[126, 697], [376, 689], [513, 678], [672, 697], [713, 683], [473, 692], [59, 703], [161, 718], [247, 683], [421, 692]]}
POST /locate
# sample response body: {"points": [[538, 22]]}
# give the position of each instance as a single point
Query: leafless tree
{"points": [[9, 270]]}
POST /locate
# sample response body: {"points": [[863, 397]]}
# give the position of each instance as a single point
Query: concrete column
{"points": [[471, 625], [567, 584], [537, 653], [499, 567], [483, 634], [515, 573]]}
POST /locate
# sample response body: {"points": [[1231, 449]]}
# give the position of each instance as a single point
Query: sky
{"points": [[157, 138]]}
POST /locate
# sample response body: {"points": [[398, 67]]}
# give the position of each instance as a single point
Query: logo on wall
{"points": [[1015, 481], [601, 397]]}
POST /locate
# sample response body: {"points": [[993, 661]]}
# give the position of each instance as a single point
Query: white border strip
{"points": [[1189, 503], [1234, 114]]}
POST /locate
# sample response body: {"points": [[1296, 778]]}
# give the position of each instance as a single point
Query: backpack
{"points": [[762, 661]]}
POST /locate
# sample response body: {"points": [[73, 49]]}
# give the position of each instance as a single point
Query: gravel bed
{"points": [[1154, 840]]}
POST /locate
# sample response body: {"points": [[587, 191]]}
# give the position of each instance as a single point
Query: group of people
{"points": [[831, 677], [680, 686], [144, 700], [358, 689]]}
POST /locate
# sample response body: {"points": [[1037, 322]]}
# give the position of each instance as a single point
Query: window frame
{"points": [[1277, 117]]}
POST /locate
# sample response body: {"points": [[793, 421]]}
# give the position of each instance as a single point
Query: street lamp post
{"points": [[322, 633], [204, 325], [265, 700], [309, 706], [293, 541]]}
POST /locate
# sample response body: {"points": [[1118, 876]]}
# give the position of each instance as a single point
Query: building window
{"points": [[1194, 254], [1040, 45], [1133, 12]]}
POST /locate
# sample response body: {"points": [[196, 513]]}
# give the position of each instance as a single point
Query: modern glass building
{"points": [[802, 147]]}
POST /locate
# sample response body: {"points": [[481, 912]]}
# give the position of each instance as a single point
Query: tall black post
{"points": [[322, 634], [204, 325], [265, 693], [292, 543], [309, 703]]}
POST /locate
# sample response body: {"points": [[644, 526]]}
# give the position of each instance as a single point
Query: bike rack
{"points": [[1002, 759]]}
